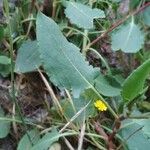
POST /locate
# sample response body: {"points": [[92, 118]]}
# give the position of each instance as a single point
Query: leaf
{"points": [[5, 65], [5, 70], [1, 32], [4, 125], [144, 105], [70, 110], [134, 84], [28, 58], [134, 135], [103, 85], [146, 16], [62, 60], [146, 125], [82, 15], [47, 140], [4, 60], [129, 38], [78, 104], [25, 144], [134, 4]]}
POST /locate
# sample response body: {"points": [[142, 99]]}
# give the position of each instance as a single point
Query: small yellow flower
{"points": [[100, 105]]}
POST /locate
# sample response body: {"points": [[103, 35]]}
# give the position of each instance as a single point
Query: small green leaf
{"points": [[106, 88], [146, 16], [4, 60], [134, 84], [82, 15], [47, 140], [5, 66], [5, 70], [134, 4], [4, 125], [28, 58], [128, 38], [25, 143]]}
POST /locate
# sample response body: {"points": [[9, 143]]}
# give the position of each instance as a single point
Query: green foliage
{"points": [[145, 16], [134, 134], [1, 32], [4, 125], [82, 15], [68, 69], [78, 103], [129, 38], [134, 4], [38, 143], [28, 58], [145, 123], [5, 68], [4, 60], [25, 143], [47, 140], [134, 84], [105, 87], [62, 60]]}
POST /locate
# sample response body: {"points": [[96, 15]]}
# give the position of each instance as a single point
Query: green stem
{"points": [[78, 32], [6, 6], [102, 59], [19, 121], [84, 42]]}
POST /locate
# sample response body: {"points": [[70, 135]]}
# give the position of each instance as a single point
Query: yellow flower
{"points": [[100, 105]]}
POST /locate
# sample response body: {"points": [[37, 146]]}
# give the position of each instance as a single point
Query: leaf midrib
{"points": [[90, 85], [130, 31]]}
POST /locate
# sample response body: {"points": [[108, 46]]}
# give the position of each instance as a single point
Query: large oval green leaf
{"points": [[62, 60], [134, 84]]}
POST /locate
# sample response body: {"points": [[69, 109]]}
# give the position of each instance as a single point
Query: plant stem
{"points": [[54, 8], [84, 42], [20, 122], [6, 6], [102, 59]]}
